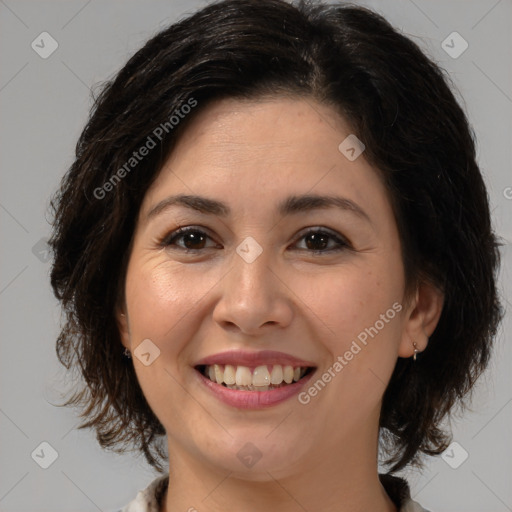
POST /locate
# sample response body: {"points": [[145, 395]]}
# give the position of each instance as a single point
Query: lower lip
{"points": [[254, 399]]}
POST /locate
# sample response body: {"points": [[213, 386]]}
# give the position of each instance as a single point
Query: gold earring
{"points": [[415, 351]]}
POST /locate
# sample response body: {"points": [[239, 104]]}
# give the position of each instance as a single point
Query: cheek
{"points": [[369, 326], [167, 303], [162, 300], [350, 300], [160, 295], [162, 291]]}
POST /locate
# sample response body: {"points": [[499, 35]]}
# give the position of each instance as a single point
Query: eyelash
{"points": [[169, 240]]}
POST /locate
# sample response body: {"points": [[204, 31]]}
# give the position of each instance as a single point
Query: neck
{"points": [[328, 483]]}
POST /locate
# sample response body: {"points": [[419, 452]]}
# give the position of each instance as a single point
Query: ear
{"points": [[122, 324], [421, 319]]}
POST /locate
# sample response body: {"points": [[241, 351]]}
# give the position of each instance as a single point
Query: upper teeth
{"points": [[261, 376]]}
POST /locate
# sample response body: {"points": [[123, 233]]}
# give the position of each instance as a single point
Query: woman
{"points": [[275, 210]]}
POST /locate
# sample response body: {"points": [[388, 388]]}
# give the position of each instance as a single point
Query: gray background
{"points": [[43, 107]]}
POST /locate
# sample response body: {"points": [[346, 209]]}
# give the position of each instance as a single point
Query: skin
{"points": [[317, 456]]}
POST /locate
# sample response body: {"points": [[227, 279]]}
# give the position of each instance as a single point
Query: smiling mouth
{"points": [[259, 378]]}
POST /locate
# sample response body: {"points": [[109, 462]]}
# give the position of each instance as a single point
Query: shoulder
{"points": [[149, 498]]}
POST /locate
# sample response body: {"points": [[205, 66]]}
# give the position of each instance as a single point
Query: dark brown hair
{"points": [[396, 100]]}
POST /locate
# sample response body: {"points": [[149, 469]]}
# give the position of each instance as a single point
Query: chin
{"points": [[251, 454]]}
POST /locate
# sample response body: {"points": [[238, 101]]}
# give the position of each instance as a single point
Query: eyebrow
{"points": [[292, 205]]}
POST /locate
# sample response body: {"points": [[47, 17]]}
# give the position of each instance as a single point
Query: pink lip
{"points": [[252, 359], [253, 399]]}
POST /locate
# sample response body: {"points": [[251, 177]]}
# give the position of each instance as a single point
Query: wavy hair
{"points": [[396, 100]]}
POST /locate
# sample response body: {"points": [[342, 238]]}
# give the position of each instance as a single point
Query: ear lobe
{"points": [[124, 330], [422, 318]]}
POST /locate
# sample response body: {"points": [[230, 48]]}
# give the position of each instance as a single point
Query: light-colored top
{"points": [[150, 498]]}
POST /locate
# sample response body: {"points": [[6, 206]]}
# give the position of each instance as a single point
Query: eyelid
{"points": [[343, 243], [183, 230], [327, 231]]}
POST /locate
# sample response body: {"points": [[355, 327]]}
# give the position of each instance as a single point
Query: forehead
{"points": [[254, 152], [268, 128]]}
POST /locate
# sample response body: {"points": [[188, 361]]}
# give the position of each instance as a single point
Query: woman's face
{"points": [[292, 260]]}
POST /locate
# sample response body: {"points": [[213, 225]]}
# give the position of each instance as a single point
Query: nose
{"points": [[254, 296]]}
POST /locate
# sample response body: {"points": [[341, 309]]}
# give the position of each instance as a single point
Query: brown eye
{"points": [[315, 241], [321, 241], [191, 239]]}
